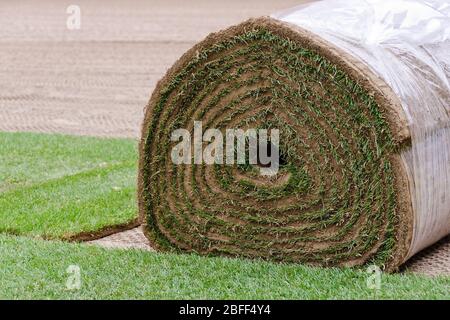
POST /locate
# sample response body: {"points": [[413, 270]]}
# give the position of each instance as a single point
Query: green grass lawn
{"points": [[38, 269], [57, 186]]}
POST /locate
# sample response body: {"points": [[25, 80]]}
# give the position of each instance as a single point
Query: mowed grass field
{"points": [[55, 186], [38, 269]]}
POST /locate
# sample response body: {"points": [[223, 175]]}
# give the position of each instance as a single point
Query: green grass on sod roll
{"points": [[37, 269], [338, 206], [58, 186]]}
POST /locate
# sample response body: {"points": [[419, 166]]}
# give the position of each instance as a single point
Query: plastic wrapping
{"points": [[407, 44]]}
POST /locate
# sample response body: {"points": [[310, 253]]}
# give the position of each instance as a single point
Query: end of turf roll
{"points": [[338, 198], [350, 189]]}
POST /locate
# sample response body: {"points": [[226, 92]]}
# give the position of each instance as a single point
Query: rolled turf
{"points": [[341, 196]]}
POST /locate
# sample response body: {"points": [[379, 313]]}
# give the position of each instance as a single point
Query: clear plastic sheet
{"points": [[407, 44]]}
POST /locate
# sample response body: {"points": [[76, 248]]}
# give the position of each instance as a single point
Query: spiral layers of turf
{"points": [[335, 199]]}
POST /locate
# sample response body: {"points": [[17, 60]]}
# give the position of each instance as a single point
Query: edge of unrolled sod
{"points": [[385, 98]]}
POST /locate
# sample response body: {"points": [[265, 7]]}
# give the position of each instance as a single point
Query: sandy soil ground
{"points": [[97, 80]]}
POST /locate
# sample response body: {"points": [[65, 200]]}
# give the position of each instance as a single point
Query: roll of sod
{"points": [[342, 194]]}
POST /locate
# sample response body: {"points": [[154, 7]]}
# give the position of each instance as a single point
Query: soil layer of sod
{"points": [[341, 197]]}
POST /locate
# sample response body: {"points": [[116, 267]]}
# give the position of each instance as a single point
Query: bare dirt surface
{"points": [[130, 239], [97, 80], [433, 261]]}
